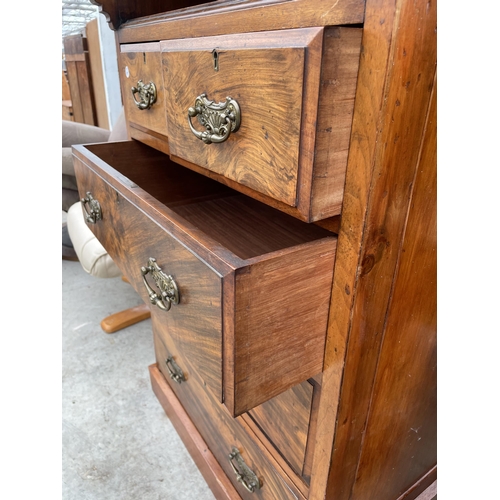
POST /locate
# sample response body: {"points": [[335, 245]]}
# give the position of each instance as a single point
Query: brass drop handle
{"points": [[147, 94], [219, 119], [168, 290], [95, 213], [244, 474], [174, 370]]}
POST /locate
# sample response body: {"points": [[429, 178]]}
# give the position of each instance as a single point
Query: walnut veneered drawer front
{"points": [[268, 113], [254, 283], [142, 90], [252, 475]]}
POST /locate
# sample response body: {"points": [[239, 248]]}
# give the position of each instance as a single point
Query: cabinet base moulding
{"points": [[195, 444]]}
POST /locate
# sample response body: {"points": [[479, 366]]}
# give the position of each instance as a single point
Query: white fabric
{"points": [[91, 254]]}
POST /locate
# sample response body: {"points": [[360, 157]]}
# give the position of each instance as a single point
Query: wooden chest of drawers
{"points": [[272, 204]]}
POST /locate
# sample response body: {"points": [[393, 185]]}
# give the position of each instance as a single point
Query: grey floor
{"points": [[118, 444]]}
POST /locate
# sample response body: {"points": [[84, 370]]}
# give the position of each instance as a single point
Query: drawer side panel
{"points": [[281, 315]]}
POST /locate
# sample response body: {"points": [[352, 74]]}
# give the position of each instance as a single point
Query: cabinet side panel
{"points": [[385, 148], [402, 422]]}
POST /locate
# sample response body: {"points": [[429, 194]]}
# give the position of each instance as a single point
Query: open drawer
{"points": [[247, 286]]}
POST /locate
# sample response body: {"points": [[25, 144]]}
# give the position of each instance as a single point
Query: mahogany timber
{"points": [[265, 73], [235, 16], [408, 357], [195, 444], [149, 137], [397, 70], [271, 453], [143, 62], [266, 334], [285, 422], [396, 75], [221, 432], [127, 317], [282, 94], [217, 243], [339, 76]]}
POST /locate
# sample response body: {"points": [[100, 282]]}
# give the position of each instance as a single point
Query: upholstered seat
{"points": [[93, 257]]}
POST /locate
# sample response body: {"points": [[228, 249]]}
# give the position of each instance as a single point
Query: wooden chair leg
{"points": [[122, 319]]}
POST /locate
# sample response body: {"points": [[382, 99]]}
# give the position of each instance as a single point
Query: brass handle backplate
{"points": [[169, 292], [147, 94], [95, 213], [174, 370], [219, 119], [244, 474]]}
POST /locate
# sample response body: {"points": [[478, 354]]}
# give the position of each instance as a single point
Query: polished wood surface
{"points": [[127, 317], [286, 92], [396, 77], [194, 442], [265, 73], [273, 349], [131, 238], [236, 16], [372, 426], [143, 63], [285, 422], [234, 309], [221, 432], [405, 386], [339, 76]]}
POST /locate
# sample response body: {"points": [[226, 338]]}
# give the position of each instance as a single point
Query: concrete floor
{"points": [[118, 444]]}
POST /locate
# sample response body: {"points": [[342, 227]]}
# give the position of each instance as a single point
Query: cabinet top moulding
{"points": [[146, 21]]}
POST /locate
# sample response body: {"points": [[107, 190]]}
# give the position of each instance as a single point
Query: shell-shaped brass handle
{"points": [[94, 213], [168, 290], [219, 120], [147, 94], [244, 474], [174, 370]]}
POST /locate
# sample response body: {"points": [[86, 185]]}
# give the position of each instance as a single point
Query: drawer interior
{"points": [[244, 226]]}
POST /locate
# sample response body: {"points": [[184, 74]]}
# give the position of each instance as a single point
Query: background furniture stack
{"points": [[276, 205], [91, 92]]}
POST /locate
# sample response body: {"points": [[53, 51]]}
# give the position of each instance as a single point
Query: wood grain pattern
{"points": [[131, 238], [259, 255], [396, 74], [143, 63], [257, 155], [285, 421], [271, 453], [339, 76], [221, 432], [234, 16], [303, 167], [149, 137], [279, 332], [402, 422], [127, 317], [194, 442]]}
